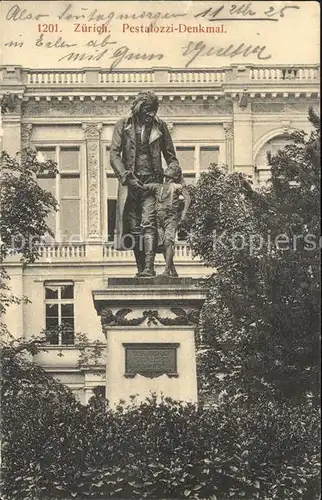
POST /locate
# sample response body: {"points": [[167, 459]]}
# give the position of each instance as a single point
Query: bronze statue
{"points": [[138, 141], [168, 212]]}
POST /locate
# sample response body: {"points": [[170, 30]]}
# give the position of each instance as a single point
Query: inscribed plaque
{"points": [[151, 359]]}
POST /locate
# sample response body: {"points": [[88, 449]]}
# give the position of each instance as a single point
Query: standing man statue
{"points": [[135, 156]]}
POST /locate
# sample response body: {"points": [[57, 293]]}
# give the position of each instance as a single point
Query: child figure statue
{"points": [[167, 197]]}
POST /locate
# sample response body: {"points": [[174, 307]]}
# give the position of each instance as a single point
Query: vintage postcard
{"points": [[159, 249]]}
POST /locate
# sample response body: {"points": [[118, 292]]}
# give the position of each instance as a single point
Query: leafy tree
{"points": [[261, 323], [24, 208]]}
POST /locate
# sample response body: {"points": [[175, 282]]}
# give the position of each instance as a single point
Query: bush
{"points": [[55, 448], [170, 450]]}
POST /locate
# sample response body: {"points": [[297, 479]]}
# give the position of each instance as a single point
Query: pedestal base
{"points": [[149, 326]]}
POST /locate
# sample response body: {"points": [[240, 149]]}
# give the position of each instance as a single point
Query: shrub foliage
{"points": [[55, 448]]}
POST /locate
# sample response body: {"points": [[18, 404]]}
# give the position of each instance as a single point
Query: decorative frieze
{"points": [[75, 107], [298, 106], [229, 144], [25, 134], [196, 107], [180, 317], [268, 107], [92, 133], [107, 106]]}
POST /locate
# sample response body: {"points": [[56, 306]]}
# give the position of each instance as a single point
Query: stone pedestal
{"points": [[149, 326]]}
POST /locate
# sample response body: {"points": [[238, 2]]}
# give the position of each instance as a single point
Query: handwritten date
{"points": [[244, 12]]}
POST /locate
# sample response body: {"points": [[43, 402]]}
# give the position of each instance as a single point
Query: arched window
{"points": [[262, 168]]}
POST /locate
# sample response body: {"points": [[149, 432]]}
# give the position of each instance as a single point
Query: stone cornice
{"points": [[175, 95], [111, 120]]}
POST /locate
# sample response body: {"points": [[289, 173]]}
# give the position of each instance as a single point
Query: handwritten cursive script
{"points": [[73, 13], [245, 12], [70, 14], [193, 50], [119, 55], [197, 44], [16, 13]]}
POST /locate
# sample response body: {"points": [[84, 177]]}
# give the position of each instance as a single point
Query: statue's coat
{"points": [[122, 159]]}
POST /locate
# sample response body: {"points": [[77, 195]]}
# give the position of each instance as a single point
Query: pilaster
{"points": [[229, 145], [11, 125], [92, 133], [25, 135], [243, 135]]}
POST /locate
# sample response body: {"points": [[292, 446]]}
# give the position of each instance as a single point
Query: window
{"points": [[262, 168], [186, 157], [208, 154], [65, 186], [111, 188], [196, 158], [111, 217], [59, 304]]}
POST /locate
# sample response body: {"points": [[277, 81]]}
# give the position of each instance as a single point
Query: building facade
{"points": [[231, 115]]}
